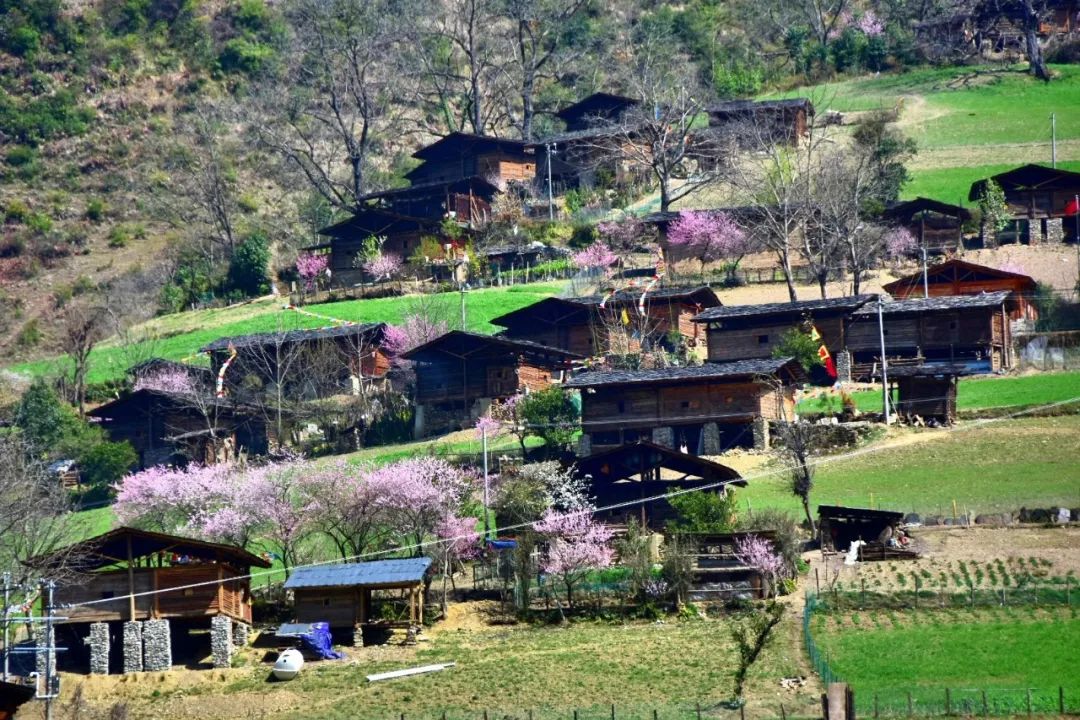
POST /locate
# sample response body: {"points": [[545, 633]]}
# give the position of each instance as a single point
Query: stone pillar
{"points": [[843, 366], [157, 645], [663, 436], [241, 634], [761, 433], [133, 646], [418, 422], [42, 658], [584, 445], [710, 439], [358, 636], [98, 640], [221, 641]]}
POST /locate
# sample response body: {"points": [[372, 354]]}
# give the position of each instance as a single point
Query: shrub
{"points": [[800, 345], [40, 223], [21, 156], [248, 203], [248, 266], [42, 118], [30, 334], [703, 511], [95, 209], [246, 57], [105, 463], [550, 414], [16, 211], [119, 237]]}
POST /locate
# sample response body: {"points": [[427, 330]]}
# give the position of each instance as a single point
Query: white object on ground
{"points": [[852, 557], [409, 671], [288, 664]]}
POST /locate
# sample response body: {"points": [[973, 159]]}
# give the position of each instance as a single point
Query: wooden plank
{"points": [[410, 671]]}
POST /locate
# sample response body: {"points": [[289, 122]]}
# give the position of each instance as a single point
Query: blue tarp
{"points": [[319, 642], [502, 544]]}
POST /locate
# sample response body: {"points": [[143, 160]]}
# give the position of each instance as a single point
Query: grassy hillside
{"points": [[179, 336]]}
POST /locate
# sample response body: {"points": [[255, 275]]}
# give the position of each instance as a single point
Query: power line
{"points": [[815, 463]]}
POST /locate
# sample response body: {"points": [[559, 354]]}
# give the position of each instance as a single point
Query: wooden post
{"points": [[875, 705], [612, 711], [1061, 689], [817, 580], [862, 600], [131, 580], [783, 715], [910, 705], [654, 715], [948, 702], [742, 712], [986, 709], [1029, 701], [697, 706]]}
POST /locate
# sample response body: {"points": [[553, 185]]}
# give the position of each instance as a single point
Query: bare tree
{"points": [[345, 92], [84, 326], [34, 513], [539, 50]]}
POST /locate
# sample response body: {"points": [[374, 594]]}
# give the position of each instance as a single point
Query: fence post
{"points": [[654, 715], [742, 712], [1061, 699], [986, 709], [875, 706], [916, 592], [1029, 701], [948, 702], [612, 711], [575, 714], [862, 600], [783, 715], [697, 706], [910, 705]]}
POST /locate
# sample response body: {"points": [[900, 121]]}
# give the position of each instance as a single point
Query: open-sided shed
{"points": [[340, 594], [840, 526], [937, 226], [644, 469]]}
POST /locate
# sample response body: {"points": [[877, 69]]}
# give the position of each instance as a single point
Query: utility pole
{"points": [[551, 148], [464, 287], [52, 683], [1053, 140], [884, 362], [925, 280], [7, 620], [487, 515]]}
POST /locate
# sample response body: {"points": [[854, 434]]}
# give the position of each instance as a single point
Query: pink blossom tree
{"points": [[487, 426], [758, 553], [597, 256], [348, 508], [627, 235], [576, 544], [414, 332], [383, 265], [418, 493], [310, 268], [899, 242], [870, 25], [708, 237], [172, 380]]}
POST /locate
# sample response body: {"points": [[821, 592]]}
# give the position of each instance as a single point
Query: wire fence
{"points": [[935, 701], [703, 710]]}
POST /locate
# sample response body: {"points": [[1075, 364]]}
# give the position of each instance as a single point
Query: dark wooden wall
{"points": [[927, 397], [743, 340]]}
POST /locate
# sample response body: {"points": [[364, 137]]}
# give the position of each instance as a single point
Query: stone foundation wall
{"points": [[710, 439], [133, 647], [98, 640], [221, 641], [834, 435], [241, 634], [664, 436], [157, 645]]}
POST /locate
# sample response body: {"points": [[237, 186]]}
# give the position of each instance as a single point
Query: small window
{"points": [[685, 404], [107, 594], [326, 602], [763, 339]]}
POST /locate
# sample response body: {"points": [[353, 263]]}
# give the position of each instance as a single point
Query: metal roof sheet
{"points": [[375, 572]]}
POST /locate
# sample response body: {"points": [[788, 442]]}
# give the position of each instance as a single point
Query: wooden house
{"points": [[167, 428], [840, 526], [958, 277], [580, 325], [461, 155], [120, 569], [341, 594], [597, 109], [580, 155], [970, 330], [704, 409], [459, 374], [718, 573], [643, 469], [307, 364], [926, 393], [742, 332], [784, 121], [1042, 200], [937, 227]]}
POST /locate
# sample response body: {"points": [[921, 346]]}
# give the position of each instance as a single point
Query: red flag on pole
{"points": [[823, 353], [1072, 207]]}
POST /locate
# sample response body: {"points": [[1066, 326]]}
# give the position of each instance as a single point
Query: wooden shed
{"points": [[969, 330], [122, 569], [739, 332], [593, 110], [401, 236], [1038, 197], [781, 121], [927, 393], [718, 573], [459, 374], [646, 470], [840, 526], [167, 428], [309, 363], [341, 594], [937, 226], [705, 408], [461, 155], [580, 325], [958, 277]]}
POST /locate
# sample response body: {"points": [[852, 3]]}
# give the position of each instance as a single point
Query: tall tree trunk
{"points": [[785, 265], [1037, 65], [823, 282]]}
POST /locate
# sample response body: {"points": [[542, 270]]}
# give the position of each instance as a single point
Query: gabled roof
{"points": [[927, 369], [457, 144], [905, 211], [749, 107], [795, 309], [938, 303], [109, 409], [955, 271], [373, 221], [838, 512], [599, 103], [298, 336], [709, 371], [630, 460], [461, 344], [112, 547], [377, 573], [556, 306], [474, 183], [1029, 177], [157, 363]]}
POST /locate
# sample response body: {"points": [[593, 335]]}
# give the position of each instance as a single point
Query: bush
{"points": [[43, 118], [16, 211], [95, 209], [703, 511], [246, 57], [21, 156], [40, 223], [119, 237], [800, 345], [105, 463], [30, 334], [249, 265], [551, 415]]}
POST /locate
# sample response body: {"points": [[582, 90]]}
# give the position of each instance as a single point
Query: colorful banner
{"points": [[823, 353], [220, 389]]}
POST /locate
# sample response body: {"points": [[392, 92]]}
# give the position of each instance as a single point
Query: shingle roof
{"points": [[509, 343], [376, 572], [708, 371], [702, 294], [789, 308], [291, 336], [938, 303]]}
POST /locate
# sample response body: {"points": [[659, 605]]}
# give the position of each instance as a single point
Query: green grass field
{"points": [[975, 393], [997, 466], [179, 337], [1004, 653], [952, 184]]}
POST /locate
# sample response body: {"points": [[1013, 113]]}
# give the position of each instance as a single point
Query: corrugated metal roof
{"points": [[739, 368], [376, 572], [788, 308], [938, 303]]}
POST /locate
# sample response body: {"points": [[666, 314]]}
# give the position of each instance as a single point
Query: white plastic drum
{"points": [[288, 664]]}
